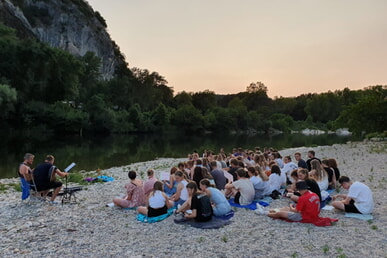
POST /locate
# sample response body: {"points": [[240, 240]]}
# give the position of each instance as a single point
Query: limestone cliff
{"points": [[71, 25]]}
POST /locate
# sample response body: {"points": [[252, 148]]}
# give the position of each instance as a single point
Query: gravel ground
{"points": [[89, 229]]}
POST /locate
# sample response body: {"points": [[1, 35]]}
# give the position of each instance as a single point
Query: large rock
{"points": [[71, 25]]}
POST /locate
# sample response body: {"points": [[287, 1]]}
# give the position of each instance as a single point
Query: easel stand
{"points": [[68, 195]]}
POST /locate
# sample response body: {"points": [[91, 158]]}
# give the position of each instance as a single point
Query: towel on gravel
{"points": [[146, 219], [214, 223], [359, 216], [251, 206], [319, 222]]}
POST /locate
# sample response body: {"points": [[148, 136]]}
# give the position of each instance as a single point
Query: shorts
{"points": [[294, 216], [237, 197], [351, 207], [157, 212], [48, 186]]}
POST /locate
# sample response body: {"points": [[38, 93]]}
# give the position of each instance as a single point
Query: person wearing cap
{"points": [[358, 200], [306, 210]]}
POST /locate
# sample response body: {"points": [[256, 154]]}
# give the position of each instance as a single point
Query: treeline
{"points": [[51, 90]]}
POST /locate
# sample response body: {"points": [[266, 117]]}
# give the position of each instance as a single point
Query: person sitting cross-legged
{"points": [[358, 200], [306, 210], [157, 202], [242, 189]]}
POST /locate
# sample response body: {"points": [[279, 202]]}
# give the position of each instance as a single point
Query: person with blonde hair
{"points": [[148, 185], [319, 174], [260, 182]]}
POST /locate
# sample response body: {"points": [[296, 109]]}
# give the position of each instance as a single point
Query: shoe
{"points": [[179, 218], [110, 205], [260, 210]]}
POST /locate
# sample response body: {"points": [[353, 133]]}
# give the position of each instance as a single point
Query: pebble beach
{"points": [[90, 229]]}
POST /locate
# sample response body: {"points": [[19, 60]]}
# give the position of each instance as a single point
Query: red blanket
{"points": [[319, 222]]}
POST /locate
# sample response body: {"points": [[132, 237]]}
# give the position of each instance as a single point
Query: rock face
{"points": [[71, 25]]}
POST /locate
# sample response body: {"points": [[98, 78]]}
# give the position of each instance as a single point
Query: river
{"points": [[91, 153]]}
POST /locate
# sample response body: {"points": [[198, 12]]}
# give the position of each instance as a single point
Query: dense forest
{"points": [[52, 91]]}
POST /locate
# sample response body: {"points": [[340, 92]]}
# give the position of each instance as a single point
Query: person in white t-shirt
{"points": [[358, 200], [289, 166], [242, 189]]}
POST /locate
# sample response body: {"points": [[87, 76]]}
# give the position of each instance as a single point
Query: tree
{"points": [[8, 97], [256, 87]]}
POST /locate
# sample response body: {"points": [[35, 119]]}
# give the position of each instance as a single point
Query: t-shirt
{"points": [[196, 204], [157, 200], [219, 178], [313, 187], [287, 170], [310, 160], [362, 196], [233, 171], [302, 164], [260, 187], [309, 206], [246, 189], [42, 174], [275, 181], [148, 185]]}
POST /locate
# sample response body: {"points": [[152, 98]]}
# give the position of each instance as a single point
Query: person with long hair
{"points": [[181, 194], [319, 174], [303, 175], [157, 202], [275, 179], [170, 185], [261, 187], [194, 207], [220, 204]]}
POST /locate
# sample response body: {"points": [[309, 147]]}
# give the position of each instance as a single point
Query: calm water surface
{"points": [[91, 153]]}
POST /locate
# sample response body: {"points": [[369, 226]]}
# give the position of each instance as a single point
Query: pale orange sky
{"points": [[293, 47]]}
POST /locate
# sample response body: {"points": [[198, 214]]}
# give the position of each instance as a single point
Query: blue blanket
{"points": [[251, 206], [146, 219]]}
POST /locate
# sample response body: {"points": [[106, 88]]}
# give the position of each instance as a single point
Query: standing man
{"points": [[300, 162], [311, 156], [45, 175], [358, 200], [25, 174]]}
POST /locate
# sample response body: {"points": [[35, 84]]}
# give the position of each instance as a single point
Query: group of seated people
{"points": [[42, 178], [200, 187], [245, 177]]}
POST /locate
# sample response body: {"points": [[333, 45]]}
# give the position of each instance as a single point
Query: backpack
{"points": [[206, 208]]}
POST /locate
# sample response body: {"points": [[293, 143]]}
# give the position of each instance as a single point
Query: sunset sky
{"points": [[293, 47]]}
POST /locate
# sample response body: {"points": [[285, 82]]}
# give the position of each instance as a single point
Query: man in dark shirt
{"points": [[234, 166], [311, 156], [44, 175], [218, 175], [301, 163]]}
